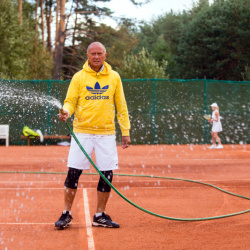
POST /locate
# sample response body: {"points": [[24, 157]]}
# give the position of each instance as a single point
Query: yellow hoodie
{"points": [[92, 96]]}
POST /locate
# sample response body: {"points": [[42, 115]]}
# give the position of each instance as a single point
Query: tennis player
{"points": [[217, 127], [92, 96]]}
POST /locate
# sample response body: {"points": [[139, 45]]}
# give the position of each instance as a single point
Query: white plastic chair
{"points": [[4, 133]]}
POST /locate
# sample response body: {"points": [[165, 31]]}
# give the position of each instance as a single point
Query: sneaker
{"points": [[213, 146], [104, 220], [64, 220], [219, 147]]}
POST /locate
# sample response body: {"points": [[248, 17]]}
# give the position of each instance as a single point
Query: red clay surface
{"points": [[31, 203]]}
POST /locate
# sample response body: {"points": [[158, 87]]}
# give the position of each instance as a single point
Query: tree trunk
{"points": [[48, 12], [68, 16], [73, 52], [57, 25], [20, 11], [37, 3], [74, 32], [61, 38], [42, 22]]}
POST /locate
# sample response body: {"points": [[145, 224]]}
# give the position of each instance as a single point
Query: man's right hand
{"points": [[63, 115]]}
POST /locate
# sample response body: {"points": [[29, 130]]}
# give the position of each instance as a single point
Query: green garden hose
{"points": [[149, 212], [147, 176]]}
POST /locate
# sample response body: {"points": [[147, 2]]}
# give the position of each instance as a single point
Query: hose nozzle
{"points": [[61, 111]]}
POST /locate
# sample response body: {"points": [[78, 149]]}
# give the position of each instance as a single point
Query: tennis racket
{"points": [[208, 117]]}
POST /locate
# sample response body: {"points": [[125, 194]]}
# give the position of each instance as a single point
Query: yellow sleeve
{"points": [[71, 97], [122, 110]]}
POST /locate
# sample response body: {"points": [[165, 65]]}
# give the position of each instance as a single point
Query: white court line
{"points": [[16, 188], [31, 188], [28, 182], [91, 245], [26, 223], [122, 188], [213, 159], [149, 179], [205, 159], [29, 223]]}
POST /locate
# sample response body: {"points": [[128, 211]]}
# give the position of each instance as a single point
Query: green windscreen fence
{"points": [[161, 111]]}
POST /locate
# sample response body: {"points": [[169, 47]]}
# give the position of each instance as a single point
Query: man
{"points": [[92, 95]]}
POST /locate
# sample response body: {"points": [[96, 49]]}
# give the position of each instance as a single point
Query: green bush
{"points": [[142, 65]]}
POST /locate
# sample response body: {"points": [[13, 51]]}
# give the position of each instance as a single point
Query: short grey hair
{"points": [[96, 43]]}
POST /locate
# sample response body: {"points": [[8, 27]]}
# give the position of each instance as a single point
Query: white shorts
{"points": [[105, 152]]}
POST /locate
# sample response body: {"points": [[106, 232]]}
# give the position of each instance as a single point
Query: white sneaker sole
{"points": [[62, 227], [96, 224]]}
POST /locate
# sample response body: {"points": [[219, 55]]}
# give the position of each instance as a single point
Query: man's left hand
{"points": [[125, 142]]}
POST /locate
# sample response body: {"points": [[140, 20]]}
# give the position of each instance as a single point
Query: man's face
{"points": [[96, 56]]}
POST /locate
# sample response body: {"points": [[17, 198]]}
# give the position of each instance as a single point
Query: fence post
{"points": [[48, 114], [153, 115], [205, 109]]}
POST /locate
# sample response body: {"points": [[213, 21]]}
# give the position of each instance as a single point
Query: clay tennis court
{"points": [[31, 202]]}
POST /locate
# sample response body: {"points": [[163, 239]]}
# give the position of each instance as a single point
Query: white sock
{"points": [[98, 214], [64, 212]]}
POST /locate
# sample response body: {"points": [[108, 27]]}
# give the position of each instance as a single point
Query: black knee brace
{"points": [[72, 178], [102, 185]]}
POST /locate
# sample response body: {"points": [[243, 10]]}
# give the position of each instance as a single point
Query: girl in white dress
{"points": [[217, 127]]}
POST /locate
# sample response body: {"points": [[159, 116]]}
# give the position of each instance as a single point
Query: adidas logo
{"points": [[97, 89], [102, 221]]}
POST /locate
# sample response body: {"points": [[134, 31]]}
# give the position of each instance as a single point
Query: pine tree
{"points": [[20, 49]]}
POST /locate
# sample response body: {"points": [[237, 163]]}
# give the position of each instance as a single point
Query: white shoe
{"points": [[213, 146], [219, 147]]}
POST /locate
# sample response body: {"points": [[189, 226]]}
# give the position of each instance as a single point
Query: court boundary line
{"points": [[115, 181], [31, 223], [16, 188], [93, 188], [90, 238], [27, 223]]}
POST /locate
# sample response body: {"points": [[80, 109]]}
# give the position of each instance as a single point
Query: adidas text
{"points": [[99, 97]]}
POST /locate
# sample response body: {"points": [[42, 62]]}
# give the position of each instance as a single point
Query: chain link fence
{"points": [[162, 111]]}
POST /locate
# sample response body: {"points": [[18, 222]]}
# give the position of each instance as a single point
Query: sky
{"points": [[147, 12]]}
